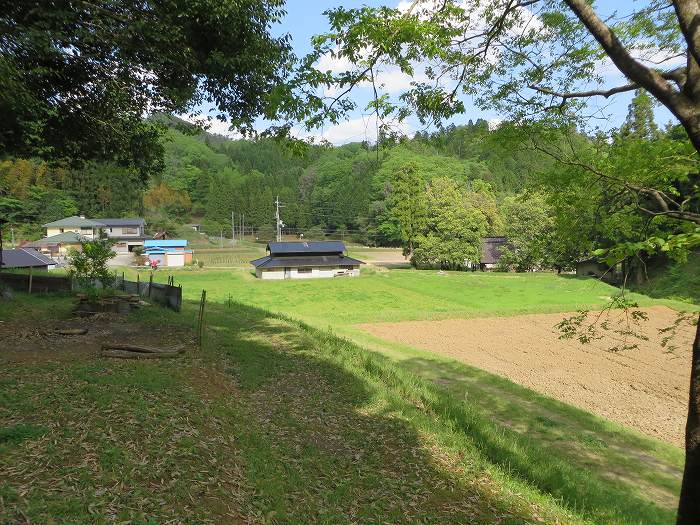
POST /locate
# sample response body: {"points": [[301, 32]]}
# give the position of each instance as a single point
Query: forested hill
{"points": [[326, 189], [333, 189]]}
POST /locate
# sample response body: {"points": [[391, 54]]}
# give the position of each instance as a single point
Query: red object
{"points": [[154, 264]]}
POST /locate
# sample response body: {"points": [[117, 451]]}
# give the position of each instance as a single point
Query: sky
{"points": [[305, 18]]}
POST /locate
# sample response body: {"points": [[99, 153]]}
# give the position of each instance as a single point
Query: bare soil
{"points": [[644, 388], [25, 341]]}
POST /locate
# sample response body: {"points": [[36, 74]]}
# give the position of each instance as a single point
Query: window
{"points": [[60, 230], [347, 267], [304, 269], [130, 231]]}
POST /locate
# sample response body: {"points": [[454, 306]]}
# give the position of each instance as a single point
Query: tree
{"points": [[640, 122], [407, 205], [535, 61], [529, 227], [89, 264], [79, 76], [453, 230]]}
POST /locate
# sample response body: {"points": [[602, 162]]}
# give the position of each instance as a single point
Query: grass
{"points": [[675, 280], [280, 422], [397, 295]]}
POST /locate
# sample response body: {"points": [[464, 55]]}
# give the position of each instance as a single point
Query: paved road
{"points": [[124, 259]]}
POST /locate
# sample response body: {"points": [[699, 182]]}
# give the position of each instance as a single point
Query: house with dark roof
{"points": [[26, 258], [126, 233], [491, 251], [306, 260]]}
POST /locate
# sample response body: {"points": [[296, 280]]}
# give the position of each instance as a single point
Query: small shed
{"points": [[592, 267], [168, 252], [306, 260], [26, 258], [491, 251]]}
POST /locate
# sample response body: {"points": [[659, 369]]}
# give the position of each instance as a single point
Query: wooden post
{"points": [[30, 279], [123, 283], [150, 284], [138, 284], [200, 320]]}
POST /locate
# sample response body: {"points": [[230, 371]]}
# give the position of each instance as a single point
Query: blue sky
{"points": [[305, 18]]}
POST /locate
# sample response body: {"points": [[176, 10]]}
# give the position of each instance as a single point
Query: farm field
{"points": [[644, 388]]}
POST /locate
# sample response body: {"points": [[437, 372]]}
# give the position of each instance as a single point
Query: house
{"points": [[26, 258], [491, 252], [61, 234], [86, 228], [168, 252], [126, 233], [592, 267], [304, 260], [57, 245]]}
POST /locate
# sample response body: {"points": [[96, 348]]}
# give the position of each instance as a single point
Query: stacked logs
{"points": [[124, 351]]}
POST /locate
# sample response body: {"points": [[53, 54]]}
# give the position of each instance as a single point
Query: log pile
{"points": [[122, 304], [124, 351]]}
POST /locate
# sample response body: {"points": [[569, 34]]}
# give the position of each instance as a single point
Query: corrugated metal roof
{"points": [[74, 221], [306, 247], [59, 238], [304, 260], [25, 258], [164, 243], [129, 221]]}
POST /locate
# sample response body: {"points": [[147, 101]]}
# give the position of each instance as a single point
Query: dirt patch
{"points": [[23, 341], [644, 388]]}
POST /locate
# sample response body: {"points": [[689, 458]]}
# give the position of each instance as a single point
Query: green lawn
{"points": [[396, 295], [279, 422]]}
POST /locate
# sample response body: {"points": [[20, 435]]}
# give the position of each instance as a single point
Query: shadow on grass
{"points": [[574, 435], [324, 444], [345, 426]]}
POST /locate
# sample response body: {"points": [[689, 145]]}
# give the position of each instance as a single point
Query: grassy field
{"points": [[396, 295], [279, 422]]}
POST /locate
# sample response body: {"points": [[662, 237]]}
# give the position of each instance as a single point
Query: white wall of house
{"points": [[123, 231], [315, 273], [175, 259], [90, 233]]}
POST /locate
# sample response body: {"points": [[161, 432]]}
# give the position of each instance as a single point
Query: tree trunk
{"points": [[689, 502]]}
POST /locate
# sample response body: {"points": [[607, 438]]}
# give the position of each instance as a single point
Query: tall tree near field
{"points": [[536, 61], [407, 205], [451, 238]]}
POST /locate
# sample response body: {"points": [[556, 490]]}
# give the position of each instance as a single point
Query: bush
{"points": [[89, 265]]}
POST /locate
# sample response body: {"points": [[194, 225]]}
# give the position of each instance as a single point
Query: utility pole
{"points": [[243, 225], [233, 230], [277, 219], [12, 236]]}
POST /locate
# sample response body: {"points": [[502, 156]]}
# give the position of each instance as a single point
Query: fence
{"points": [[167, 295], [39, 283]]}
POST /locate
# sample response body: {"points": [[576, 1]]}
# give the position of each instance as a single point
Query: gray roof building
{"points": [[60, 238], [74, 222], [25, 258]]}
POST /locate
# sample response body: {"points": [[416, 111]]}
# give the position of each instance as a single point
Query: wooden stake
{"points": [[200, 320], [150, 284], [30, 279]]}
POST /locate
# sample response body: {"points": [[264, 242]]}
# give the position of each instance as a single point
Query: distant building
{"points": [[491, 252], [592, 267], [126, 233], [26, 258], [87, 228], [306, 260], [168, 252], [58, 245]]}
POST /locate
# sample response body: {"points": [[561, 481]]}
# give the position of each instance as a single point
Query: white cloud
{"points": [[212, 125], [354, 130]]}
